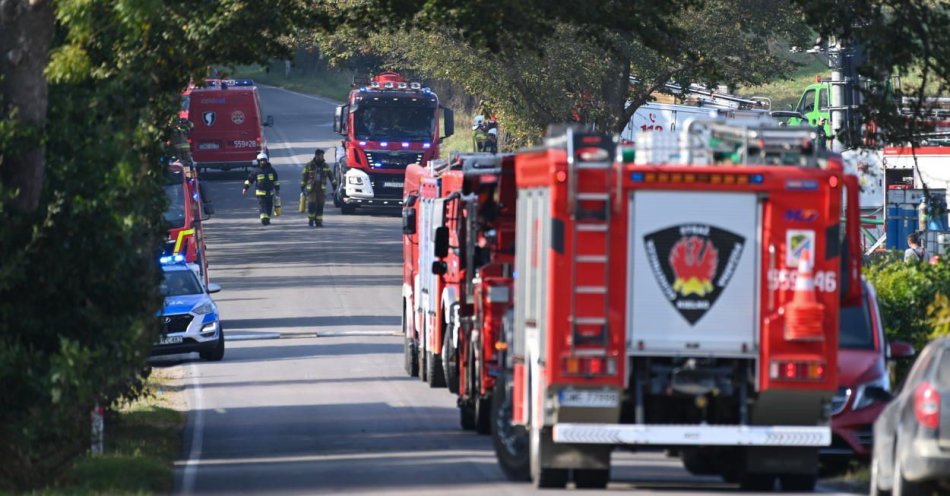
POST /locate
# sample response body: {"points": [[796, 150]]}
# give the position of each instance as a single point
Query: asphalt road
{"points": [[311, 396]]}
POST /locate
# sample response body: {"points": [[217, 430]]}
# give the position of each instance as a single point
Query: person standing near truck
{"points": [[267, 186], [313, 183]]}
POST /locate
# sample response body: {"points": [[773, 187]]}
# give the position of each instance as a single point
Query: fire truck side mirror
{"points": [[339, 118], [439, 268], [408, 220], [441, 242], [448, 122]]}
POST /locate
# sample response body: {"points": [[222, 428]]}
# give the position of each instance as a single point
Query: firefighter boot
{"points": [[319, 221], [312, 222]]}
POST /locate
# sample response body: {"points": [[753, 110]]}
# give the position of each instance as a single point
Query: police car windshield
{"points": [[180, 283], [856, 331], [175, 213], [394, 122]]}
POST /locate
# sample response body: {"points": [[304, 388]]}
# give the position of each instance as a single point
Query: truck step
{"points": [[591, 290], [593, 165], [593, 196], [591, 258], [592, 227]]}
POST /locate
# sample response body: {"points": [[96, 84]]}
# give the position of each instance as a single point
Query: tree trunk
{"points": [[26, 35]]}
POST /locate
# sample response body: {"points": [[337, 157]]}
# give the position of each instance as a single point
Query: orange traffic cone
{"points": [[804, 315]]}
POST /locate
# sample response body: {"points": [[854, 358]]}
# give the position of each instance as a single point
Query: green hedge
{"points": [[912, 298]]}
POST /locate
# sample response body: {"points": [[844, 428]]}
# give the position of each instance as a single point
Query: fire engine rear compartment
{"points": [[685, 248]]}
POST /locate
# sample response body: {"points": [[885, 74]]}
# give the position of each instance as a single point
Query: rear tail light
{"points": [[797, 370], [927, 405], [589, 365]]}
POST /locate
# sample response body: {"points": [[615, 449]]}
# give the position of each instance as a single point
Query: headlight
{"points": [[204, 308], [862, 399], [357, 180], [209, 328]]}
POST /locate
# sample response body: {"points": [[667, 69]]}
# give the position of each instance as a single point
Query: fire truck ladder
{"points": [[589, 210]]}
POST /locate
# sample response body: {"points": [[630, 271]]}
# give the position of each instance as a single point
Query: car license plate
{"points": [[170, 340], [208, 146], [603, 398], [392, 184]]}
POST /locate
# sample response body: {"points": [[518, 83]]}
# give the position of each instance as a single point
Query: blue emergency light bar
{"points": [[172, 259]]}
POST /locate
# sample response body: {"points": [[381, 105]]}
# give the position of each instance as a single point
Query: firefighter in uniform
{"points": [[313, 183], [267, 185], [179, 139]]}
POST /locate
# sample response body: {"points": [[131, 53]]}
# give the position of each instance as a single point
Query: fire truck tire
{"points": [[482, 415], [411, 358], [434, 372], [467, 415], [799, 483], [544, 477], [421, 361], [450, 363], [510, 441], [756, 482], [698, 463], [591, 478]]}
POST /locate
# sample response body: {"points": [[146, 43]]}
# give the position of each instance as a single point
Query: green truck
{"points": [[814, 105]]}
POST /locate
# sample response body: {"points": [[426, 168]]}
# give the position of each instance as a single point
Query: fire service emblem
{"points": [[208, 117], [693, 263]]}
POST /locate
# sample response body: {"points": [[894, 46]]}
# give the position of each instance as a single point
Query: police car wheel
{"points": [[216, 353]]}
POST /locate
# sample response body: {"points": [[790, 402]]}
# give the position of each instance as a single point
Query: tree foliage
{"points": [[905, 38], [78, 281], [576, 71]]}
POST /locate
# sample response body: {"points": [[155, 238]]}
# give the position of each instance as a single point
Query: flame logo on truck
{"points": [[693, 263]]}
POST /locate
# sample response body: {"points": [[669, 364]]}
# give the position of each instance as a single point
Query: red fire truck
{"points": [[464, 256], [387, 124], [227, 123], [184, 215], [682, 295]]}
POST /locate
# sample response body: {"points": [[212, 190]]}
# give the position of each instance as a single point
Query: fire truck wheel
{"points": [[510, 441], [757, 482], [411, 358], [591, 478], [450, 362], [803, 483], [482, 415], [434, 372], [544, 477], [421, 361], [466, 415], [697, 462]]}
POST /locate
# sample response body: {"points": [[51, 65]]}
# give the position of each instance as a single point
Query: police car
{"points": [[189, 317]]}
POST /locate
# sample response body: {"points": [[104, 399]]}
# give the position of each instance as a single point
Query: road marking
{"points": [[312, 97], [333, 334], [445, 455], [252, 336], [197, 435]]}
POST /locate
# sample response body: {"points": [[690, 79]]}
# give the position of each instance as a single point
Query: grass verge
{"points": [[329, 84], [785, 93], [142, 442]]}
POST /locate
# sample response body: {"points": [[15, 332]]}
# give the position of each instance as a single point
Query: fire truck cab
{"points": [[184, 215], [681, 294], [387, 123]]}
